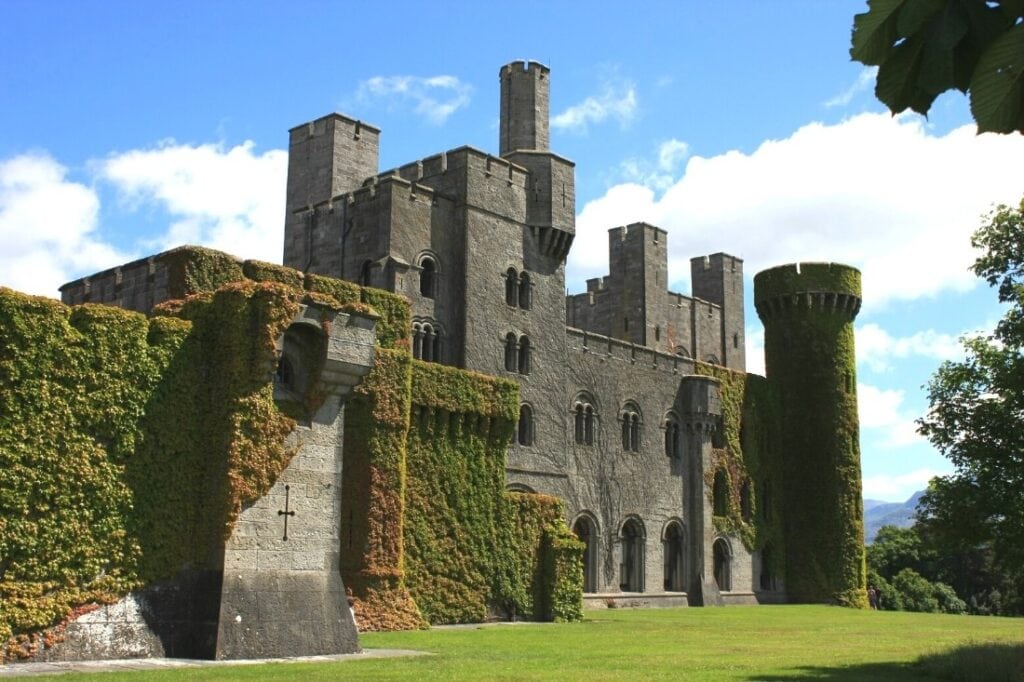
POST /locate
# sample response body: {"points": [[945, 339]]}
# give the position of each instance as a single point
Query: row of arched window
{"points": [[631, 422], [632, 538]]}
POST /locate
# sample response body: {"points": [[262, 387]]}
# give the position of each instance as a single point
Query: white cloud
{"points": [[865, 80], [671, 153], [616, 101], [435, 98], [877, 348], [755, 349], [47, 226], [228, 199], [661, 174], [877, 192], [898, 487], [882, 410]]}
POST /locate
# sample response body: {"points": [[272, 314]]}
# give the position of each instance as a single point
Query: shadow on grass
{"points": [[864, 671], [982, 662]]}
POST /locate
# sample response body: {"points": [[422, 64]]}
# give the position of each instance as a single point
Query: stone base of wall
{"points": [[174, 619], [634, 600], [274, 614], [736, 598]]}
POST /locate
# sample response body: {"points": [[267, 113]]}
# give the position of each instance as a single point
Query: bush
{"points": [[915, 591], [949, 602]]}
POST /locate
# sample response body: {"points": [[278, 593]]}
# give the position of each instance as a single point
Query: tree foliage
{"points": [[923, 48], [976, 409]]}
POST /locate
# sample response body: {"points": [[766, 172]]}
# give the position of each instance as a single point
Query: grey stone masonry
{"points": [[525, 88], [478, 245], [282, 593]]}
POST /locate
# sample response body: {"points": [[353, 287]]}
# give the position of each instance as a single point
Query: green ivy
{"points": [[113, 426], [472, 548], [810, 357], [749, 420], [128, 446]]}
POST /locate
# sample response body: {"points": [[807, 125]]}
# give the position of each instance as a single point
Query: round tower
{"points": [[808, 311], [525, 88]]}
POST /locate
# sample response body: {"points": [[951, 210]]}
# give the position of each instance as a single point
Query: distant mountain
{"points": [[878, 513]]}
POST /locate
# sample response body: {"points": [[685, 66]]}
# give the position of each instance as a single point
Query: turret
{"points": [[808, 311], [551, 187], [524, 107]]}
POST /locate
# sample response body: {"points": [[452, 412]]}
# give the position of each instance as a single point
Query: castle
{"points": [[619, 416], [686, 480]]}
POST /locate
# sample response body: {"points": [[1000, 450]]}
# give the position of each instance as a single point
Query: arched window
{"points": [[673, 547], [525, 430], [631, 427], [671, 435], [524, 355], [511, 287], [525, 291], [585, 530], [584, 417], [722, 567], [428, 277], [365, 274], [511, 352], [426, 341], [681, 352], [711, 359], [720, 494], [631, 569]]}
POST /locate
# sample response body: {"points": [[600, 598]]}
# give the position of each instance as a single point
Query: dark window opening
{"points": [[720, 494], [524, 355], [525, 430], [631, 570], [525, 292], [511, 352], [673, 546], [511, 287], [428, 278]]}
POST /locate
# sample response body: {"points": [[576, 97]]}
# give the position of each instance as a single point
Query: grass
{"points": [[759, 643]]}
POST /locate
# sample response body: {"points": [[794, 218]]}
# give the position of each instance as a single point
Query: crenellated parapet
{"points": [[830, 288]]}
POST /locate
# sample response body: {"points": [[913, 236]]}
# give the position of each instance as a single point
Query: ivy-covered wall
{"points": [[471, 547], [808, 314], [128, 445], [750, 461]]}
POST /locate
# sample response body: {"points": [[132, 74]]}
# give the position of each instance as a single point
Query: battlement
{"points": [[527, 65], [827, 287], [322, 126], [717, 261], [617, 350], [638, 230]]}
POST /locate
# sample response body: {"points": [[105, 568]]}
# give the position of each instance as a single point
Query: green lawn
{"points": [[758, 643]]}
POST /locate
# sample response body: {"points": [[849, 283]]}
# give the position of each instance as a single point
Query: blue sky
{"points": [[738, 126]]}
